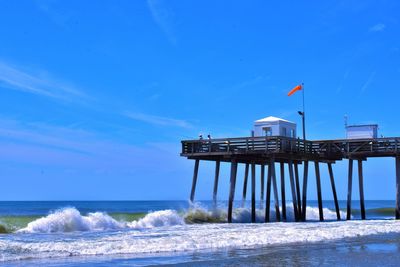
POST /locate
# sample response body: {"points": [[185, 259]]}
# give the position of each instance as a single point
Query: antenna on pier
{"points": [[345, 121]]}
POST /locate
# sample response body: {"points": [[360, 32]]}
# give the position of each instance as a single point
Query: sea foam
{"points": [[158, 219], [192, 237], [70, 219]]}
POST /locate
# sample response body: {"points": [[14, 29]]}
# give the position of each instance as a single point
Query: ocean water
{"points": [[140, 233]]}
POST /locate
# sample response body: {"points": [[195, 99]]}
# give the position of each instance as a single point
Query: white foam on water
{"points": [[70, 220], [190, 237], [158, 219]]}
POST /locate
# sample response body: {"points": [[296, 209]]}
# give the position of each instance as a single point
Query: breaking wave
{"points": [[71, 220]]}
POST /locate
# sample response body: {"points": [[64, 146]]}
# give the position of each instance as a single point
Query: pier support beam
{"points": [[349, 189], [194, 182], [292, 186], [282, 167], [232, 189], [262, 174], [296, 175], [318, 178], [361, 188], [246, 176], [216, 177], [398, 187], [253, 193], [304, 202], [334, 191], [275, 187], [268, 197]]}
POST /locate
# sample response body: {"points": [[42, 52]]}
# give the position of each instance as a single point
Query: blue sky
{"points": [[95, 98]]}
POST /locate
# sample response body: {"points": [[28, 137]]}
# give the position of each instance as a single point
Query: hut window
{"points": [[267, 131]]}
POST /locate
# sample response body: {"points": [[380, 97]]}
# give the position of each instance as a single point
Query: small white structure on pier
{"points": [[273, 126], [366, 131]]}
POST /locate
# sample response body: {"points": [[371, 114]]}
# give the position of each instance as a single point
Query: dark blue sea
{"points": [[142, 233]]}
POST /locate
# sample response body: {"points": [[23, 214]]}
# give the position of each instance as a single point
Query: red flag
{"points": [[294, 90]]}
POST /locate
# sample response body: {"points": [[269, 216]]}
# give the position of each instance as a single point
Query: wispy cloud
{"points": [[368, 81], [39, 83], [163, 17], [54, 145], [158, 120], [377, 27]]}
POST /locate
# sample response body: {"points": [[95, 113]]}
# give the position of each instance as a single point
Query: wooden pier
{"points": [[266, 151]]}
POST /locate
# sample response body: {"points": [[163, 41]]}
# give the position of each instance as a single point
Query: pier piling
{"points": [[398, 187], [282, 167], [275, 188], [268, 197], [262, 173], [318, 178], [216, 177], [232, 189], [293, 189], [253, 193], [298, 192], [349, 189], [304, 202], [334, 191], [361, 188], [195, 173], [246, 176]]}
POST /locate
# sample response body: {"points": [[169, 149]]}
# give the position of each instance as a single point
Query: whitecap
{"points": [[69, 220]]}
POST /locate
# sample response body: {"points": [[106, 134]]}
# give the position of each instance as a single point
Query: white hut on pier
{"points": [[366, 131], [273, 126]]}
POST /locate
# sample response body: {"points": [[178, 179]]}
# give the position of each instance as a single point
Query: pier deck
{"points": [[266, 151]]}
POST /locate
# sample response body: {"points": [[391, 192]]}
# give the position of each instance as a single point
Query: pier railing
{"points": [[246, 145], [279, 144]]}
